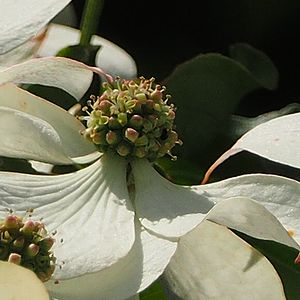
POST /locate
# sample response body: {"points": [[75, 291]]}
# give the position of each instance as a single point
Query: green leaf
{"points": [[206, 91], [85, 54], [180, 171], [52, 94], [257, 62], [282, 257], [154, 292]]}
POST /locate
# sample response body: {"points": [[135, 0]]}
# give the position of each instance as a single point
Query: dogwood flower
{"points": [[117, 220]]}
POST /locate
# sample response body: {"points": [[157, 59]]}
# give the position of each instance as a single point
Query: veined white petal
{"points": [[25, 136], [277, 140], [70, 75], [19, 283], [89, 209], [20, 20], [67, 127], [211, 262], [110, 57], [163, 207], [22, 53], [144, 263], [250, 217], [278, 194]]}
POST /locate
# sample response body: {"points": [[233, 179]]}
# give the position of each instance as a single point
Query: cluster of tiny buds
{"points": [[132, 118], [25, 242]]}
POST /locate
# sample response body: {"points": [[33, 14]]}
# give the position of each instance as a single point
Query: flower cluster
{"points": [[26, 243], [132, 118]]}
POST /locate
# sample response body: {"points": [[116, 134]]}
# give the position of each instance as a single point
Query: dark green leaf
{"points": [[154, 292], [257, 62], [85, 54], [206, 91], [52, 94], [180, 171]]}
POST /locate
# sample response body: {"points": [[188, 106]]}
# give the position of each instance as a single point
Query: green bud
{"points": [[105, 106], [149, 106], [156, 95], [123, 149], [99, 138], [46, 243], [11, 222], [18, 243], [131, 134], [136, 121], [113, 123], [122, 119], [112, 137], [32, 250], [141, 97], [142, 141], [14, 258], [140, 152], [29, 227]]}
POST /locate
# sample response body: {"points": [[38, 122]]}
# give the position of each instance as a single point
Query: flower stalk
{"points": [[90, 20]]}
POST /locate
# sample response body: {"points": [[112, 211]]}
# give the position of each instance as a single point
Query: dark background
{"points": [[162, 34]]}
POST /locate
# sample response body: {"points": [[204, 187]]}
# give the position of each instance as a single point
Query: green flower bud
{"points": [[141, 97], [113, 123], [132, 118], [29, 227], [122, 119], [112, 137], [123, 149], [131, 134], [140, 152], [105, 106], [26, 243], [19, 242], [136, 121], [46, 243], [142, 141], [15, 258], [11, 222], [32, 250]]}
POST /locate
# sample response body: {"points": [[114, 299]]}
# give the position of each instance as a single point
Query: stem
{"points": [[90, 20]]}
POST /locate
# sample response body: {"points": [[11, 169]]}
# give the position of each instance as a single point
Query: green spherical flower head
{"points": [[26, 243], [133, 119]]}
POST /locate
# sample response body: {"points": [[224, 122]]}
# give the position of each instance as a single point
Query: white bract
{"points": [[116, 233], [20, 20], [19, 283]]}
